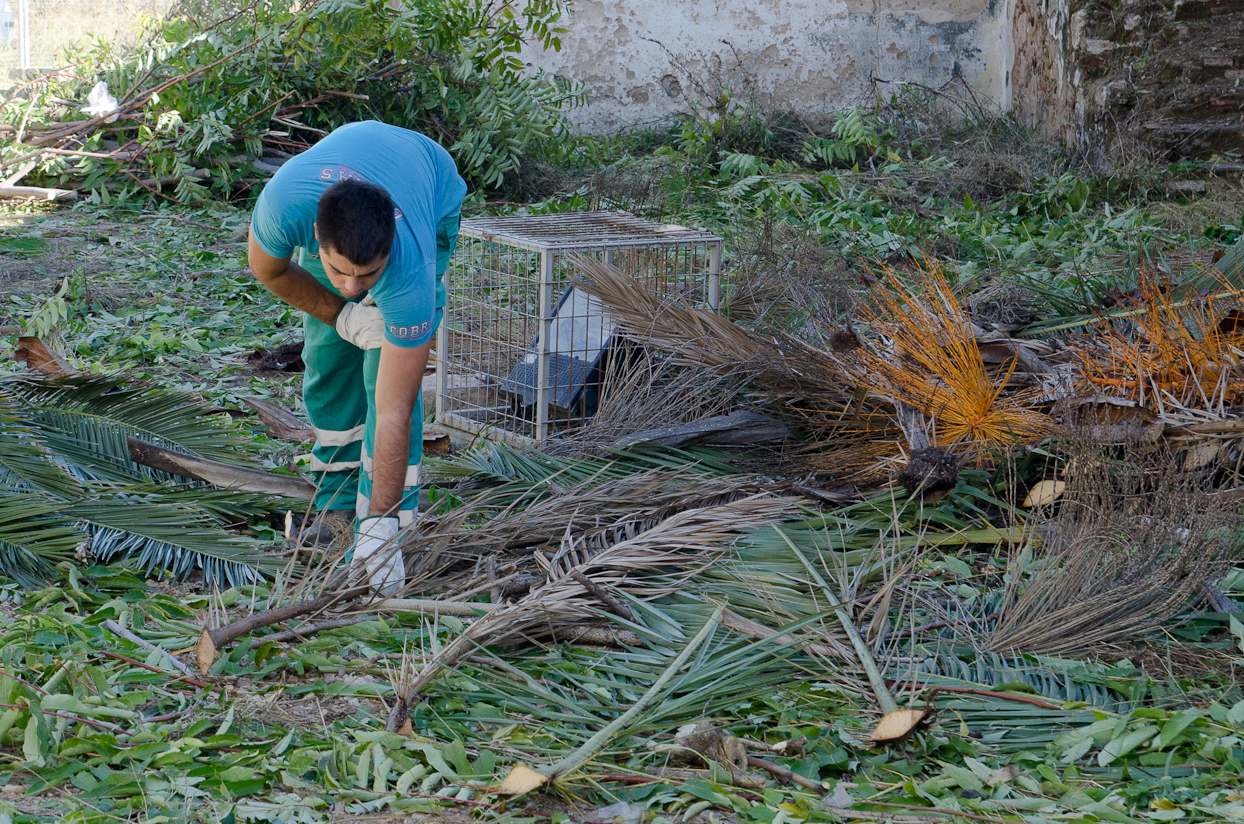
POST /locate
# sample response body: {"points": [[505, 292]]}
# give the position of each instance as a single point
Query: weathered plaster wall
{"points": [[645, 61], [1044, 86]]}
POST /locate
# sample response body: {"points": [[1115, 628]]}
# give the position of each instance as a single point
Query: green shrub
{"points": [[204, 94]]}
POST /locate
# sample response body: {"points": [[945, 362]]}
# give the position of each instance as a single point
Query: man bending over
{"points": [[370, 211]]}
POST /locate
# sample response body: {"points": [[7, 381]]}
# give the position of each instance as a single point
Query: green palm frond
{"points": [[66, 479], [589, 688], [33, 539], [141, 526], [1009, 727], [1053, 679], [87, 407], [26, 462], [499, 463]]}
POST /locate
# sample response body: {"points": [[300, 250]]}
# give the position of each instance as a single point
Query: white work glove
{"points": [[360, 324], [378, 554]]}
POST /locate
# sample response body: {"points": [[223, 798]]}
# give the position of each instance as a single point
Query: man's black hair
{"points": [[355, 219]]}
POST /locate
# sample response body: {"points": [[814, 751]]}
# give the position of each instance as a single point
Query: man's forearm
{"points": [[299, 288], [398, 380], [388, 475]]}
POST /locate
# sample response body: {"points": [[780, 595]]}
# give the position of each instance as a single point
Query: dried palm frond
{"points": [[635, 396], [653, 563], [817, 387], [597, 513], [936, 367], [514, 504], [1183, 353], [1133, 540]]}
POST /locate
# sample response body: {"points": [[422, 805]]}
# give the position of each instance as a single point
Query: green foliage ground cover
{"points": [[292, 732]]}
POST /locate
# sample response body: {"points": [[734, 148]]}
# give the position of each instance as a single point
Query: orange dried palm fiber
{"points": [[936, 367], [1174, 352]]}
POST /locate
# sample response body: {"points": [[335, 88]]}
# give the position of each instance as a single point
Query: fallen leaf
{"points": [[205, 651], [36, 355], [897, 725], [1002, 776], [1045, 493], [522, 780]]}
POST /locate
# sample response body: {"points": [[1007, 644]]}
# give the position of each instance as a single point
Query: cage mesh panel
{"points": [[511, 278]]}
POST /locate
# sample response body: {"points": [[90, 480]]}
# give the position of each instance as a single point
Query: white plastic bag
{"points": [[99, 102]]}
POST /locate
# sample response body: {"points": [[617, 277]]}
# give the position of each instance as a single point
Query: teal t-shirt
{"points": [[426, 188]]}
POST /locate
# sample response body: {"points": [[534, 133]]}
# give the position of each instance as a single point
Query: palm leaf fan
{"points": [[63, 453], [176, 419]]}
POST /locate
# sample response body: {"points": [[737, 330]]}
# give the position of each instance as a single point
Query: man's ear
{"points": [[316, 228]]}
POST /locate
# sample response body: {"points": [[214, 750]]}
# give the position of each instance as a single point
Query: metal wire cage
{"points": [[522, 354]]}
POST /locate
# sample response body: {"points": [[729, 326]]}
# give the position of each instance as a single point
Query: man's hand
{"points": [[361, 324], [292, 284], [378, 555]]}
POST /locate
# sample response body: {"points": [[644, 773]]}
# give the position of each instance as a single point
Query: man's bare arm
{"points": [[292, 284], [397, 389]]}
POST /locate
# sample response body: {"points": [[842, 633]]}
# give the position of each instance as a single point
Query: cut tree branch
{"points": [[216, 473], [212, 640]]}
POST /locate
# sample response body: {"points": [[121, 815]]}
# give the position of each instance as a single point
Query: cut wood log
{"points": [[36, 355], [38, 193], [23, 170], [216, 473], [283, 422], [741, 428]]}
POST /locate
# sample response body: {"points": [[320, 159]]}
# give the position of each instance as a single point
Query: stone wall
{"points": [[645, 61], [1114, 76]]}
